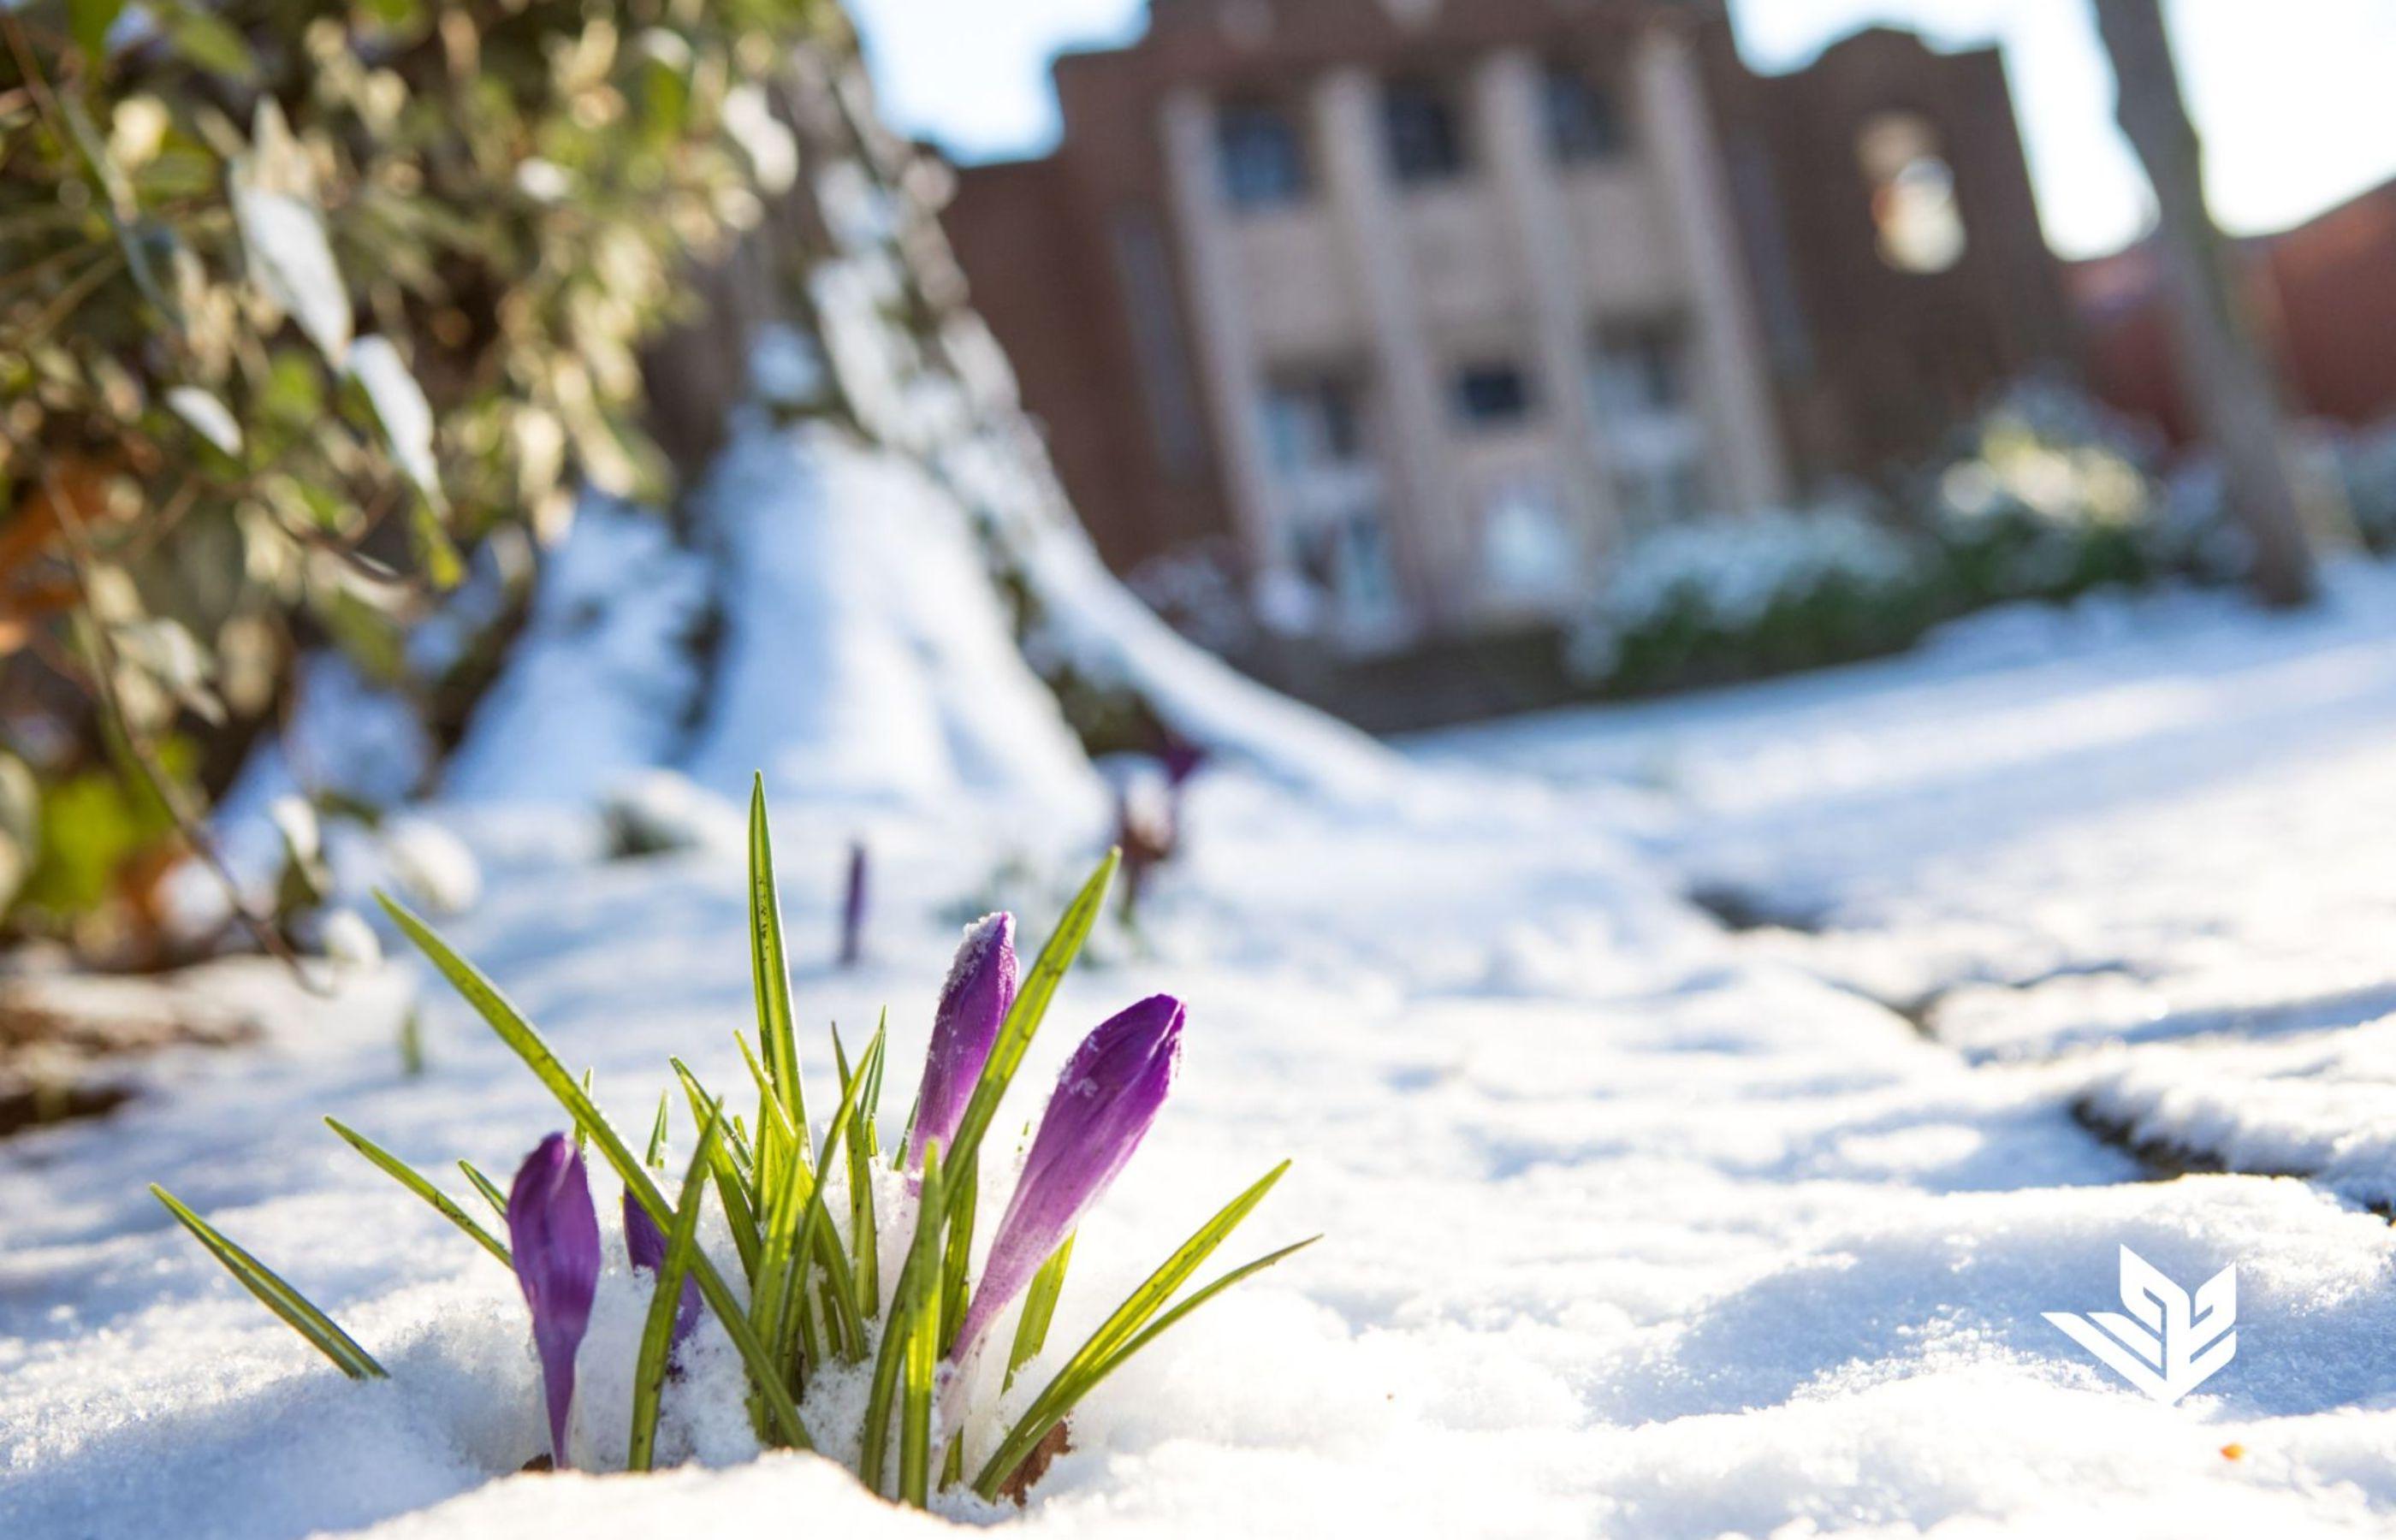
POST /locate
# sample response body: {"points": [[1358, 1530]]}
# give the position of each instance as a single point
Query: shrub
{"points": [[1729, 596], [299, 297], [2048, 497]]}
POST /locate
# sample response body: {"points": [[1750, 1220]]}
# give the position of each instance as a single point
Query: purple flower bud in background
{"points": [[1110, 1093], [646, 1244], [1180, 758], [852, 908], [553, 1231], [974, 1000]]}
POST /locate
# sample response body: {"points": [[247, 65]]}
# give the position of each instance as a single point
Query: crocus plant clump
{"points": [[799, 1200]]}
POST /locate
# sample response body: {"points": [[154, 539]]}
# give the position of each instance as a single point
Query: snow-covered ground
{"points": [[1635, 1225]]}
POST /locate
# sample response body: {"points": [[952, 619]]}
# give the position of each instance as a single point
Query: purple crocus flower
{"points": [[852, 908], [553, 1231], [1108, 1093], [974, 1000], [646, 1244], [1180, 759]]}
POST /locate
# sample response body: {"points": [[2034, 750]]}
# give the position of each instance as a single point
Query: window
{"points": [[1642, 370], [1492, 395], [1913, 209], [1311, 420], [1583, 122], [1263, 155], [1639, 387], [1425, 135], [1327, 502]]}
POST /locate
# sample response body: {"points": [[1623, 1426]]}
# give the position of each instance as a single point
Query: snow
{"points": [[865, 654], [400, 406], [596, 689], [1091, 620], [1635, 1225], [272, 188]]}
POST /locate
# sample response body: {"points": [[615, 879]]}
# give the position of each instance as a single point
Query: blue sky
{"points": [[2296, 99]]}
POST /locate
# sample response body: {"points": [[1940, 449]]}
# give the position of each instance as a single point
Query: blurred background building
{"points": [[1409, 315], [2324, 292]]}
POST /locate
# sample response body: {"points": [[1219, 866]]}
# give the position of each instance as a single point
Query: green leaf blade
{"points": [[781, 1411], [288, 1304], [769, 965], [406, 1175], [657, 1331], [1058, 1401]]}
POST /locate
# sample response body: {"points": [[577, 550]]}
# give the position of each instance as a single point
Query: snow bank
{"points": [[1087, 618], [865, 657], [2323, 1104], [600, 684]]}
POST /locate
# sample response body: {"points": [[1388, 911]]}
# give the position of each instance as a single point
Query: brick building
{"points": [[2322, 294], [1414, 310]]}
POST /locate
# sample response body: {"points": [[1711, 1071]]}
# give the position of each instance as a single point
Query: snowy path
{"points": [[1635, 1227], [2171, 853]]}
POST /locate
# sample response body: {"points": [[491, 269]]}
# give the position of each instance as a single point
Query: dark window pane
{"points": [[1583, 122], [1264, 159], [1426, 139], [1492, 395]]}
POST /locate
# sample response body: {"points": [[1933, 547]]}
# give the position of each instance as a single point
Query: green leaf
{"points": [[211, 43], [739, 1206], [919, 1285], [963, 1195], [483, 1184], [864, 1237], [656, 1331], [656, 1150], [780, 1145], [89, 21], [1166, 1321], [790, 1233], [406, 1175], [582, 1130], [1039, 1309], [769, 970], [913, 1302], [1054, 1406], [529, 1045], [1031, 1006], [275, 1294], [1096, 1358]]}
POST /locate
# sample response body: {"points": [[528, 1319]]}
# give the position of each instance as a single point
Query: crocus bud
{"points": [[646, 1244], [973, 1002], [852, 908], [1180, 759], [1110, 1093], [553, 1233]]}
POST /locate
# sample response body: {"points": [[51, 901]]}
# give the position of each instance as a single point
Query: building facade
{"points": [[1415, 311]]}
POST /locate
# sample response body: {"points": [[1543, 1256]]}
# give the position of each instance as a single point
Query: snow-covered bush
{"points": [[2048, 496], [1732, 595], [305, 302], [830, 1354]]}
